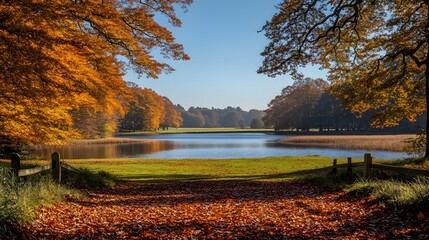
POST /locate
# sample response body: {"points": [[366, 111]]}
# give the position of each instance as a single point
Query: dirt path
{"points": [[222, 210]]}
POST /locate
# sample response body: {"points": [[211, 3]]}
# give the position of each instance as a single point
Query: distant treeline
{"points": [[148, 111], [307, 105], [197, 117]]}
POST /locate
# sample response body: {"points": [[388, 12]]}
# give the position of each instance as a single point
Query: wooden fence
{"points": [[368, 167], [55, 166]]}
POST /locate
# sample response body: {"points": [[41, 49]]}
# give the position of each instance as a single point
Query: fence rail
{"points": [[32, 171], [369, 166], [70, 168], [410, 171], [55, 167]]}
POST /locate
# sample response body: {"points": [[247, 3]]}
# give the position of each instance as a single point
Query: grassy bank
{"points": [[216, 169], [360, 142]]}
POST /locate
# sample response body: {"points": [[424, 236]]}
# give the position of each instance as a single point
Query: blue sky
{"points": [[222, 39]]}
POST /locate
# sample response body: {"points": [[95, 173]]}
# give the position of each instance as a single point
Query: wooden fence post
{"points": [[16, 163], [367, 162], [56, 167], [334, 167], [349, 166]]}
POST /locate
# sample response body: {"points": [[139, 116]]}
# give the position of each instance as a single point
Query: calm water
{"points": [[213, 145]]}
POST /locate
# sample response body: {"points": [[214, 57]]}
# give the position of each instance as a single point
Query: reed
{"points": [[359, 142]]}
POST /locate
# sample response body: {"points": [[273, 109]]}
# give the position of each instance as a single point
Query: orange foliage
{"points": [[172, 117], [150, 111], [60, 74]]}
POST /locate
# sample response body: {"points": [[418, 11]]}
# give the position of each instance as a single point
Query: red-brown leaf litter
{"points": [[225, 210]]}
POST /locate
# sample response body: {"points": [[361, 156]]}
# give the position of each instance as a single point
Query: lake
{"points": [[204, 145]]}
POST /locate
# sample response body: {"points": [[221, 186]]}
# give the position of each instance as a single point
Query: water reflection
{"points": [[213, 145], [119, 150]]}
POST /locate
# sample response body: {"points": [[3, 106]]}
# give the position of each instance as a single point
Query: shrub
{"points": [[20, 199]]}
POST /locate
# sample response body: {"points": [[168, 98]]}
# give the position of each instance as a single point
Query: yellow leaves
{"points": [[59, 71], [38, 122]]}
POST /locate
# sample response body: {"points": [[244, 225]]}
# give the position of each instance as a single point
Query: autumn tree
{"points": [[65, 59], [172, 117], [376, 51], [295, 107], [147, 110]]}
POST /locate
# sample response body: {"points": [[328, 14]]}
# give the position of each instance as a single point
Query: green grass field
{"points": [[216, 169]]}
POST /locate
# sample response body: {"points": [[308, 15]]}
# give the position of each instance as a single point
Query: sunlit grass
{"points": [[359, 142], [413, 193], [182, 169]]}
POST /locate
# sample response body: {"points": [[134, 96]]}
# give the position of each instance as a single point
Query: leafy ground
{"points": [[219, 199], [222, 210]]}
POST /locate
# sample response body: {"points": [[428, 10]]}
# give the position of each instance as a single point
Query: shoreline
{"points": [[390, 142]]}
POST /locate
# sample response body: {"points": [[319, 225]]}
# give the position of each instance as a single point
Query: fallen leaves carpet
{"points": [[224, 210]]}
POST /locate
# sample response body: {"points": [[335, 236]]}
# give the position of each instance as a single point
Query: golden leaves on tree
{"points": [[376, 52], [150, 111], [62, 64]]}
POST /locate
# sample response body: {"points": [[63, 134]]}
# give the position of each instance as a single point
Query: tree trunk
{"points": [[427, 87], [427, 105]]}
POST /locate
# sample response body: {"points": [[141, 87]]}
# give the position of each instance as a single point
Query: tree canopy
{"points": [[296, 105], [150, 111], [62, 60], [307, 105], [376, 52], [198, 117]]}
